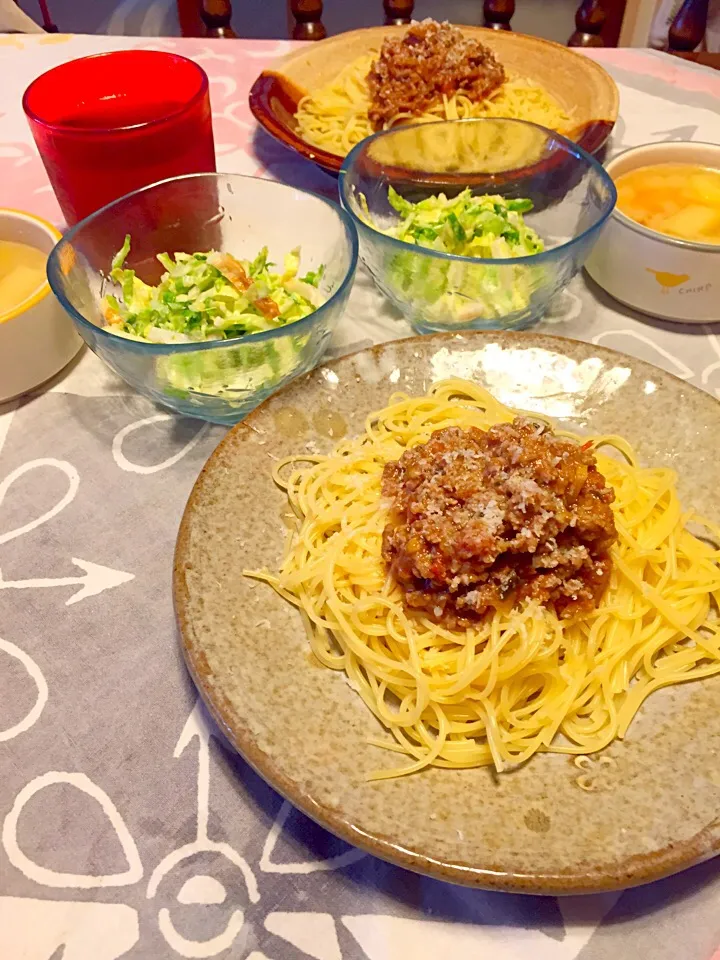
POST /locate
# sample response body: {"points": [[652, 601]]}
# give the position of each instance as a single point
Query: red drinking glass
{"points": [[109, 124]]}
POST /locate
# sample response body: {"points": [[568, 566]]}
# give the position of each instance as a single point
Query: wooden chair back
{"points": [[597, 22]]}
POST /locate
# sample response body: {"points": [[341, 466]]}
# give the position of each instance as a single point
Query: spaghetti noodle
{"points": [[336, 117], [518, 681]]}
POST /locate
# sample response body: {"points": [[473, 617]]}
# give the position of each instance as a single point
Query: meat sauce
{"points": [[489, 519], [431, 59]]}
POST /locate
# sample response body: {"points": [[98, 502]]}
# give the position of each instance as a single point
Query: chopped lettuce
{"points": [[208, 296], [213, 296], [477, 227]]}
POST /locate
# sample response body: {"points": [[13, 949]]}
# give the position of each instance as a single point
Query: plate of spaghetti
{"points": [[456, 598], [325, 98]]}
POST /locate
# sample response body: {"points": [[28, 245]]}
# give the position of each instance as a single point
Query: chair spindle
{"points": [[216, 15], [398, 11], [498, 14], [688, 27], [593, 28], [589, 22], [308, 20]]}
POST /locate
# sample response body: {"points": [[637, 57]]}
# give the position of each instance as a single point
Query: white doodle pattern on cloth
{"points": [[130, 467], [198, 726], [54, 878], [73, 484], [35, 674], [97, 578]]}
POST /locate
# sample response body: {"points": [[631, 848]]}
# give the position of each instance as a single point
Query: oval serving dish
{"points": [[580, 85]]}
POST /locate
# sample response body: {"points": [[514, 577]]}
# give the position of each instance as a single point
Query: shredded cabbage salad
{"points": [[467, 226], [209, 296], [213, 296]]}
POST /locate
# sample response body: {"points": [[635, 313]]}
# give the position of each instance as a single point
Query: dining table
{"points": [[129, 827]]}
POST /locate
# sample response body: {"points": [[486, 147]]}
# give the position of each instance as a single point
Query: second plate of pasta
{"points": [[318, 100]]}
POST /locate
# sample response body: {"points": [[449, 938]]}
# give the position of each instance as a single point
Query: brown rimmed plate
{"points": [[580, 84], [652, 810]]}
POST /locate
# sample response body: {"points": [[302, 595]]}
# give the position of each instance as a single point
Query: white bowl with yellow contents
{"points": [[657, 273], [37, 337]]}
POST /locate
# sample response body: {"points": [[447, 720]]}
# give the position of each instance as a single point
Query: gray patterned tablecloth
{"points": [[128, 827]]}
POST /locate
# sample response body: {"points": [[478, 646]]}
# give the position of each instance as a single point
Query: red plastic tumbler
{"points": [[112, 123]]}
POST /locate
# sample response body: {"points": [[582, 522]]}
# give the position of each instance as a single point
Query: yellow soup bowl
{"points": [[652, 272], [37, 337]]}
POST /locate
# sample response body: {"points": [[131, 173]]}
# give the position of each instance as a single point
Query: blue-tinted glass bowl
{"points": [[218, 380], [571, 192]]}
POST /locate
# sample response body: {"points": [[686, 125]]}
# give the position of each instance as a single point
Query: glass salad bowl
{"points": [[215, 379], [474, 223]]}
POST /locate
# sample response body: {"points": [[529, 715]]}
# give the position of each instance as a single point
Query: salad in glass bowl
{"points": [[473, 227], [474, 223], [228, 316]]}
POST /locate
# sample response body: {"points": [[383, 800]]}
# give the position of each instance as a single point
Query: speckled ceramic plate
{"points": [[654, 811]]}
